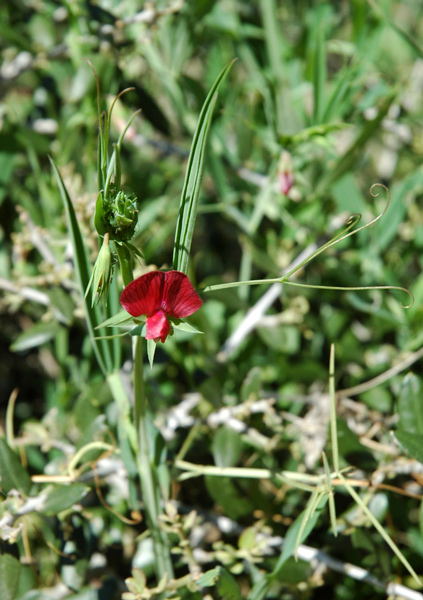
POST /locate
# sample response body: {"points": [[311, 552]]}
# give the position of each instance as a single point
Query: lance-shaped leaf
{"points": [[102, 348], [191, 190]]}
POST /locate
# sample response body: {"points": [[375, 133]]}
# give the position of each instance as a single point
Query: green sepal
{"points": [[183, 326], [151, 350], [137, 330]]}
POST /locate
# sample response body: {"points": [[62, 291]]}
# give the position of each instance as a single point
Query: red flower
{"points": [[159, 296]]}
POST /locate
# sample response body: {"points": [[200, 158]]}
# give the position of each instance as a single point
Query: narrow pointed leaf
{"points": [[184, 326], [191, 190], [120, 319], [102, 348], [411, 443], [60, 497], [34, 336]]}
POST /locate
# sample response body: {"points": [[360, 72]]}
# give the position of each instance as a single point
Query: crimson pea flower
{"points": [[160, 295]]}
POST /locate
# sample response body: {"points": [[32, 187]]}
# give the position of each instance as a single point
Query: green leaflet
{"points": [[102, 348], [191, 190]]}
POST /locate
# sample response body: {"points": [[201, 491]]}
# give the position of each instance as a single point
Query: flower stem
{"points": [[125, 262], [146, 468], [147, 472]]}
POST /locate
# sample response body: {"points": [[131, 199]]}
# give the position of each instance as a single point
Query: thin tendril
{"points": [[352, 289], [97, 82], [352, 217], [116, 99], [351, 221]]}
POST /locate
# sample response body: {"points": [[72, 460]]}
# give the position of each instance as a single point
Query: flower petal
{"points": [[143, 296], [158, 327], [179, 297]]}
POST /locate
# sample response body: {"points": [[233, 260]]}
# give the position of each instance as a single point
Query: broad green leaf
{"points": [[251, 386], [411, 442], [191, 190], [102, 348], [12, 473], [410, 404], [209, 578], [226, 447], [63, 304], [227, 586], [223, 581], [61, 497], [9, 576], [232, 498], [248, 538], [38, 334]]}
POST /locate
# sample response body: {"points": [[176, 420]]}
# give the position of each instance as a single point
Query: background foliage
{"points": [[337, 85]]}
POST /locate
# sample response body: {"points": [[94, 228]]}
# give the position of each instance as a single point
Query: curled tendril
{"points": [[350, 222], [354, 219]]}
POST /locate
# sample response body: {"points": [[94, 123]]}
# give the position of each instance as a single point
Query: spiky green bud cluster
{"points": [[118, 215]]}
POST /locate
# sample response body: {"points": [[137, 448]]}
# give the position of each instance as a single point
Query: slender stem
{"points": [[125, 262], [283, 279], [127, 436], [333, 428], [303, 480], [149, 484]]}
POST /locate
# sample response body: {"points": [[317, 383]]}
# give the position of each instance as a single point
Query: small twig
{"points": [[310, 554], [25, 292], [385, 376]]}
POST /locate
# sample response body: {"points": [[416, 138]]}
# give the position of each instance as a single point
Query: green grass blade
{"points": [[191, 190], [340, 91], [379, 528], [333, 427], [82, 268], [403, 33], [347, 160], [332, 511], [273, 38], [319, 74]]}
